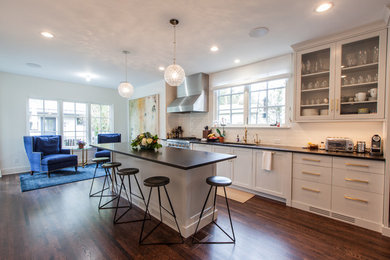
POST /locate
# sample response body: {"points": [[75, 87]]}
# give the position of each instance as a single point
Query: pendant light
{"points": [[125, 89], [174, 75]]}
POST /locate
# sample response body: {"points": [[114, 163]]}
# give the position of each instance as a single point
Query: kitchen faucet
{"points": [[245, 138]]}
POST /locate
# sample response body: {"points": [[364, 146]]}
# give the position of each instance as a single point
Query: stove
{"points": [[183, 142]]}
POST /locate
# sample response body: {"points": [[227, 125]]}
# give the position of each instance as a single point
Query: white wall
{"points": [[14, 93], [297, 135], [157, 87]]}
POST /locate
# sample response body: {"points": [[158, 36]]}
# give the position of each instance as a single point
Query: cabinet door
{"points": [[314, 83], [201, 147], [360, 77], [277, 181], [242, 167], [224, 168]]}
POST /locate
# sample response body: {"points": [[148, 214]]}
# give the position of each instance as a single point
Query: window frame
{"points": [[288, 101], [110, 118], [57, 116], [75, 116]]}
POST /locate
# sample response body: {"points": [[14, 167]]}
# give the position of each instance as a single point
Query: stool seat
{"points": [[218, 181], [156, 181], [101, 159], [111, 164], [128, 171]]}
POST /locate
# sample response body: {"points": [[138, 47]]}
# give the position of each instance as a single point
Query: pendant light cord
{"points": [[174, 44], [126, 65]]}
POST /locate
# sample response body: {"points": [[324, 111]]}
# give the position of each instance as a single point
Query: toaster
{"points": [[339, 144]]}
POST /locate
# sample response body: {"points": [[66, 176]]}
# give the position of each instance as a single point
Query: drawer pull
{"points": [[311, 173], [356, 180], [311, 160], [312, 190], [355, 199], [357, 165]]}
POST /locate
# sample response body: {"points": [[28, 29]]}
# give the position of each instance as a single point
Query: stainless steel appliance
{"points": [[183, 143], [342, 144], [376, 145], [360, 147]]}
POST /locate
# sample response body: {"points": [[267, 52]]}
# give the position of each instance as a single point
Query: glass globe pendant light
{"points": [[174, 74], [125, 89]]}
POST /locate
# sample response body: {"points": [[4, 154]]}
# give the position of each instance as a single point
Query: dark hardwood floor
{"points": [[62, 222]]}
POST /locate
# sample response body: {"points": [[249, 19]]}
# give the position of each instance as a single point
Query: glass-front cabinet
{"points": [[343, 80]]}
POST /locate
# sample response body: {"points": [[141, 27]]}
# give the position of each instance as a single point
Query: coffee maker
{"points": [[376, 145]]}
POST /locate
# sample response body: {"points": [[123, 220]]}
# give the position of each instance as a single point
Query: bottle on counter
{"points": [[322, 146], [238, 139]]}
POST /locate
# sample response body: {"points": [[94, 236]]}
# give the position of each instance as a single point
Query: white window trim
{"points": [[288, 105]]}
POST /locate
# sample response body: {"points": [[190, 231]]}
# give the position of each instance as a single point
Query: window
{"points": [[261, 103], [43, 117], [100, 120], [75, 121]]}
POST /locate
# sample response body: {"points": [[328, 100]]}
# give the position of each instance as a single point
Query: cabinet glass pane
{"points": [[359, 77], [315, 83]]}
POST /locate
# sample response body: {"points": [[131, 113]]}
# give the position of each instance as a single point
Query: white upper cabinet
{"points": [[343, 80]]}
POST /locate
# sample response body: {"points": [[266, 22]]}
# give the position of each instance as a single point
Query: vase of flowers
{"points": [[146, 141], [81, 144]]}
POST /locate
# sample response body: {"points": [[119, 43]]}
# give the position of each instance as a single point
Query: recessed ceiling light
{"points": [[87, 76], [324, 7], [237, 61], [161, 68], [258, 32], [214, 48], [47, 34], [33, 65]]}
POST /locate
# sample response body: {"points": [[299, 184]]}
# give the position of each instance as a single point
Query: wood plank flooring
{"points": [[62, 222]]}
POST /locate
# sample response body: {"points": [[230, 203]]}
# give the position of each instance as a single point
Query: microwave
{"points": [[339, 144]]}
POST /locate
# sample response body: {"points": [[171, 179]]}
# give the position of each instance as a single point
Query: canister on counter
{"points": [[361, 147]]}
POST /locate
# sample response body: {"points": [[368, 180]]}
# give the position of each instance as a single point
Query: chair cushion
{"points": [[47, 145], [58, 158], [109, 138], [102, 153]]}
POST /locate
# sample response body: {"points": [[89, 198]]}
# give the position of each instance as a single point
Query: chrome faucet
{"points": [[256, 139], [245, 138]]}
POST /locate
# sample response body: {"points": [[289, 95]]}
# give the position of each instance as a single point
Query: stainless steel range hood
{"points": [[192, 95]]}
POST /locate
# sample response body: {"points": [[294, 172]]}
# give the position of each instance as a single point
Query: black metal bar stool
{"points": [[107, 178], [98, 160], [216, 181], [158, 181], [122, 173]]}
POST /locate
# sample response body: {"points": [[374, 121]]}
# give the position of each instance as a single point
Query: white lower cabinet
{"points": [[242, 167], [202, 147], [277, 181], [224, 168], [346, 189]]}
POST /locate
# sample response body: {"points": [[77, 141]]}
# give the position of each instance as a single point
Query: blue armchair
{"points": [[45, 154], [106, 138]]}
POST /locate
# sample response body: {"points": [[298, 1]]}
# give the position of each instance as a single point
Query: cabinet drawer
{"points": [[364, 181], [312, 193], [357, 203], [312, 173], [359, 165], [319, 160]]}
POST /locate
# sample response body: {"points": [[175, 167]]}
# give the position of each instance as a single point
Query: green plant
{"points": [[220, 134], [146, 141]]}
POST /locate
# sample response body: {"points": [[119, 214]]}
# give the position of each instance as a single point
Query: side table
{"points": [[84, 153]]}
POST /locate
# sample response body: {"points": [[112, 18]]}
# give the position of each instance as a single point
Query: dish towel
{"points": [[267, 161]]}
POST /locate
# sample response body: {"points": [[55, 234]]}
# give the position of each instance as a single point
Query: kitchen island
{"points": [[187, 171]]}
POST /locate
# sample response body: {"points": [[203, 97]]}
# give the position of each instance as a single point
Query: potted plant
{"points": [[81, 144], [221, 135], [146, 141]]}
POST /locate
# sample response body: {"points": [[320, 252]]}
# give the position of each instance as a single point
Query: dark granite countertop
{"points": [[174, 157], [283, 148]]}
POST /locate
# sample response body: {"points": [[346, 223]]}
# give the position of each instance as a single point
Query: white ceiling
{"points": [[90, 34]]}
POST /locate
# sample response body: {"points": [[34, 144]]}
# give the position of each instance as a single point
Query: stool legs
{"points": [[93, 180], [172, 213], [107, 177], [233, 239]]}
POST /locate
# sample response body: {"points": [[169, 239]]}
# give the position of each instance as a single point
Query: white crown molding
{"points": [[368, 28]]}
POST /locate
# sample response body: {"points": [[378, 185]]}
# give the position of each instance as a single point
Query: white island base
{"points": [[187, 190]]}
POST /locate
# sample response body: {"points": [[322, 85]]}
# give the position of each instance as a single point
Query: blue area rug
{"points": [[67, 175]]}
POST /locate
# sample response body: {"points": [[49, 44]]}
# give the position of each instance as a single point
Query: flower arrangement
{"points": [[81, 144], [146, 141]]}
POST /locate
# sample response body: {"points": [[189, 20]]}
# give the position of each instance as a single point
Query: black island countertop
{"points": [[174, 157], [293, 149]]}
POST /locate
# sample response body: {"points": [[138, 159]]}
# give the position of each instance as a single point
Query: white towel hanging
{"points": [[267, 161]]}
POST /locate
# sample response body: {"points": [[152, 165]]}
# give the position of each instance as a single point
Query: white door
{"points": [[242, 167]]}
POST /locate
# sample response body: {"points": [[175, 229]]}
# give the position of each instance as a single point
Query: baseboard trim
{"points": [[16, 170], [386, 231]]}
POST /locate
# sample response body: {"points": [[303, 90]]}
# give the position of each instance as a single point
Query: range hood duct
{"points": [[192, 95]]}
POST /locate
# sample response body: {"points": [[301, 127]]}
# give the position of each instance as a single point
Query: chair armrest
{"points": [[35, 161], [65, 151]]}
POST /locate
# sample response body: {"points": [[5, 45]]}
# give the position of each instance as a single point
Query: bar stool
{"points": [[98, 160], [216, 181], [114, 167], [158, 181], [122, 173]]}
